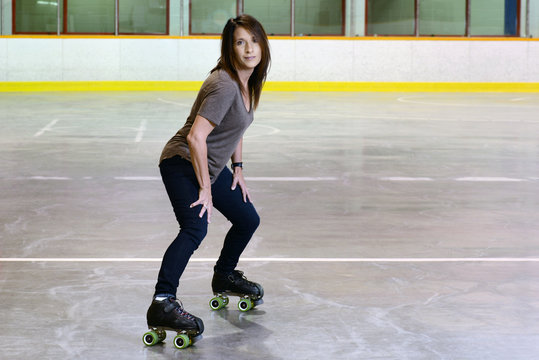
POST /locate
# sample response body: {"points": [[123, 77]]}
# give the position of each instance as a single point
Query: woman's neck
{"points": [[244, 76]]}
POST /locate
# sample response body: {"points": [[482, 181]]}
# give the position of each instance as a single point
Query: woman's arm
{"points": [[196, 139], [238, 173]]}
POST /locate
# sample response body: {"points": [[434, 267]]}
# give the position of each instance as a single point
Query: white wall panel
{"points": [[148, 60], [501, 61], [196, 58], [283, 60], [34, 59], [330, 59], [79, 59], [3, 59], [533, 60], [91, 59], [449, 65], [383, 61]]}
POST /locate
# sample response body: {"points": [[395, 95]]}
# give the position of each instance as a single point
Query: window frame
{"points": [[63, 23], [240, 10], [467, 24]]}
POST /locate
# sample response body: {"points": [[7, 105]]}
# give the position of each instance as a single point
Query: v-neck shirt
{"points": [[219, 101]]}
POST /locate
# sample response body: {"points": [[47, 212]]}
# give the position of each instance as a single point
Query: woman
{"points": [[194, 172]]}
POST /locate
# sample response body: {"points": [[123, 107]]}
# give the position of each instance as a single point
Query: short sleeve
{"points": [[218, 98]]}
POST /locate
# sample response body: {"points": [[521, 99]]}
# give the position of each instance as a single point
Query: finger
{"points": [[234, 183], [244, 192], [202, 211], [210, 209]]}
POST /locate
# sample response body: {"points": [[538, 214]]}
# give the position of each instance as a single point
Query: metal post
{"points": [[528, 18], [181, 17], [1, 17], [468, 17], [58, 29], [416, 24], [292, 17], [116, 17], [352, 31]]}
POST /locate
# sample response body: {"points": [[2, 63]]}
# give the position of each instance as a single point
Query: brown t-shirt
{"points": [[219, 100]]}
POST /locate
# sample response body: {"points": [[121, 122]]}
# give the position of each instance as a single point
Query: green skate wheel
{"points": [[182, 341], [245, 305], [226, 300], [217, 303], [151, 338]]}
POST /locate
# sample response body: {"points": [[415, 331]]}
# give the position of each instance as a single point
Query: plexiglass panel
{"points": [[493, 17], [391, 17], [274, 15], [96, 16], [442, 17], [37, 16], [143, 17], [318, 17], [210, 16], [534, 18]]}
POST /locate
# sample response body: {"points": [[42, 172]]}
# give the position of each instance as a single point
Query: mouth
{"points": [[249, 58]]}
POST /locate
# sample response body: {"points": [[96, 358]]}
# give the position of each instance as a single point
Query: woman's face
{"points": [[247, 49]]}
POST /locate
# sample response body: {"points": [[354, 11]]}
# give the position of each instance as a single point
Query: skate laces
{"points": [[178, 307], [238, 275]]}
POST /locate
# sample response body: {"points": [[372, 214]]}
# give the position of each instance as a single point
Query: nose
{"points": [[248, 47]]}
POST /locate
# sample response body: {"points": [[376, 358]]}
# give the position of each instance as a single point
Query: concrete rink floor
{"points": [[394, 226]]}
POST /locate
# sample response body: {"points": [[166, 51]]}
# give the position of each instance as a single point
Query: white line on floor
{"points": [[320, 178], [304, 178], [137, 178], [489, 179], [469, 179], [140, 131], [174, 103], [400, 178], [282, 260], [49, 178], [272, 131], [426, 101], [157, 178], [47, 127]]}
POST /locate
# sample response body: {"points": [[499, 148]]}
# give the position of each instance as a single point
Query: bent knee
{"points": [[195, 233], [251, 223]]}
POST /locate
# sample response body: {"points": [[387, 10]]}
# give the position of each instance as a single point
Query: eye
{"points": [[240, 42]]}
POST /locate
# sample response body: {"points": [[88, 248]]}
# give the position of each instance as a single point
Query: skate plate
{"points": [[158, 334], [246, 302]]}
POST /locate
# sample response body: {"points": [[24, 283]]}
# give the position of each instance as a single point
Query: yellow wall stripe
{"points": [[403, 86], [271, 86]]}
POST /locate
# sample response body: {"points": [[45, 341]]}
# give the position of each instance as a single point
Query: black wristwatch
{"points": [[237, 164]]}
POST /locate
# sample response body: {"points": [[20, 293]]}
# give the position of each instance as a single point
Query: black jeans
{"points": [[182, 188]]}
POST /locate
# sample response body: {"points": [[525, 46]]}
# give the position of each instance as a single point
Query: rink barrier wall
{"points": [[167, 63]]}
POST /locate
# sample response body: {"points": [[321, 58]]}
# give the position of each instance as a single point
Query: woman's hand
{"points": [[239, 180], [204, 199]]}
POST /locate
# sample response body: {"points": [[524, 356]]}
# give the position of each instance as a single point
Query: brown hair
{"points": [[228, 61]]}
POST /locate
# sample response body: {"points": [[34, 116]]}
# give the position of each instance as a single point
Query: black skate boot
{"points": [[235, 284], [168, 314]]}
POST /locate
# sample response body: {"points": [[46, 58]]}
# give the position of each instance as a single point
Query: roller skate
{"points": [[168, 314], [235, 284]]}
